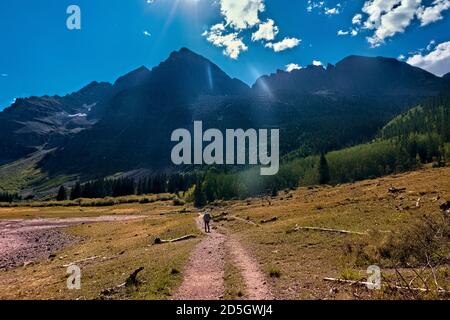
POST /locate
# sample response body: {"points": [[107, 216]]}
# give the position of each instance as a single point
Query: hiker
{"points": [[207, 219]]}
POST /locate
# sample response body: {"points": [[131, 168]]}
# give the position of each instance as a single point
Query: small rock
{"points": [[445, 206], [334, 290]]}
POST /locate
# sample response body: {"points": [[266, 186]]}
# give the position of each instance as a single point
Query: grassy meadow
{"points": [[382, 212]]}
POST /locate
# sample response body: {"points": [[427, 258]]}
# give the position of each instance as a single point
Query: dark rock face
{"points": [[137, 123], [35, 122], [354, 75]]}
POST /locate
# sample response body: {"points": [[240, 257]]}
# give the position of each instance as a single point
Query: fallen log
{"points": [[351, 282], [269, 220], [113, 290], [393, 286], [396, 190], [160, 241], [245, 220], [220, 217], [130, 281], [93, 258], [297, 228]]}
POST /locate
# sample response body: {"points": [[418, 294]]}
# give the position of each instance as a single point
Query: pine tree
{"points": [[199, 195], [274, 191], [76, 191], [9, 197], [62, 194], [324, 171]]}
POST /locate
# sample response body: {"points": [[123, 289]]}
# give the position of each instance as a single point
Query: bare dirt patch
{"points": [[23, 241]]}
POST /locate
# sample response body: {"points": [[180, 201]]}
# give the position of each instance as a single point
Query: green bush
{"points": [[178, 202]]}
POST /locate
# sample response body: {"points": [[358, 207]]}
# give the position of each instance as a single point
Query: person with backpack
{"points": [[206, 219]]}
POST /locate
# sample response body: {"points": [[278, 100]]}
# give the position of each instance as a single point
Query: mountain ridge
{"points": [[349, 76], [30, 123]]}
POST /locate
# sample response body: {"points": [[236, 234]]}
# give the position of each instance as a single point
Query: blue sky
{"points": [[40, 55]]}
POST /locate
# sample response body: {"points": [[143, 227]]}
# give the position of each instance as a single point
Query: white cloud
{"points": [[321, 7], [241, 14], [352, 32], [317, 63], [401, 57], [286, 43], [311, 5], [292, 66], [332, 11], [436, 61], [432, 13], [357, 19], [232, 44], [147, 34], [375, 9], [389, 17], [266, 31], [431, 45]]}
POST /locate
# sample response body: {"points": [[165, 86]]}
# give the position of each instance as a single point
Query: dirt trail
{"points": [[26, 240], [256, 286], [204, 273]]}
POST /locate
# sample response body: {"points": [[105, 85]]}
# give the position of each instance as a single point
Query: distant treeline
{"points": [[8, 197], [100, 188]]}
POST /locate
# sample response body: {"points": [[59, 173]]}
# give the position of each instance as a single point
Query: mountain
{"points": [[430, 120], [127, 125], [354, 75], [31, 123], [316, 108], [191, 75], [137, 124], [132, 79], [446, 79], [345, 104], [126, 82]]}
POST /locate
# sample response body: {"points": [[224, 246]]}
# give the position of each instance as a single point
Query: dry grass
{"points": [[95, 202], [127, 208], [304, 258], [121, 248], [233, 280], [301, 258]]}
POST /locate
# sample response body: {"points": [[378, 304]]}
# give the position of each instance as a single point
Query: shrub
{"points": [[178, 202], [144, 200], [427, 241], [274, 272]]}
